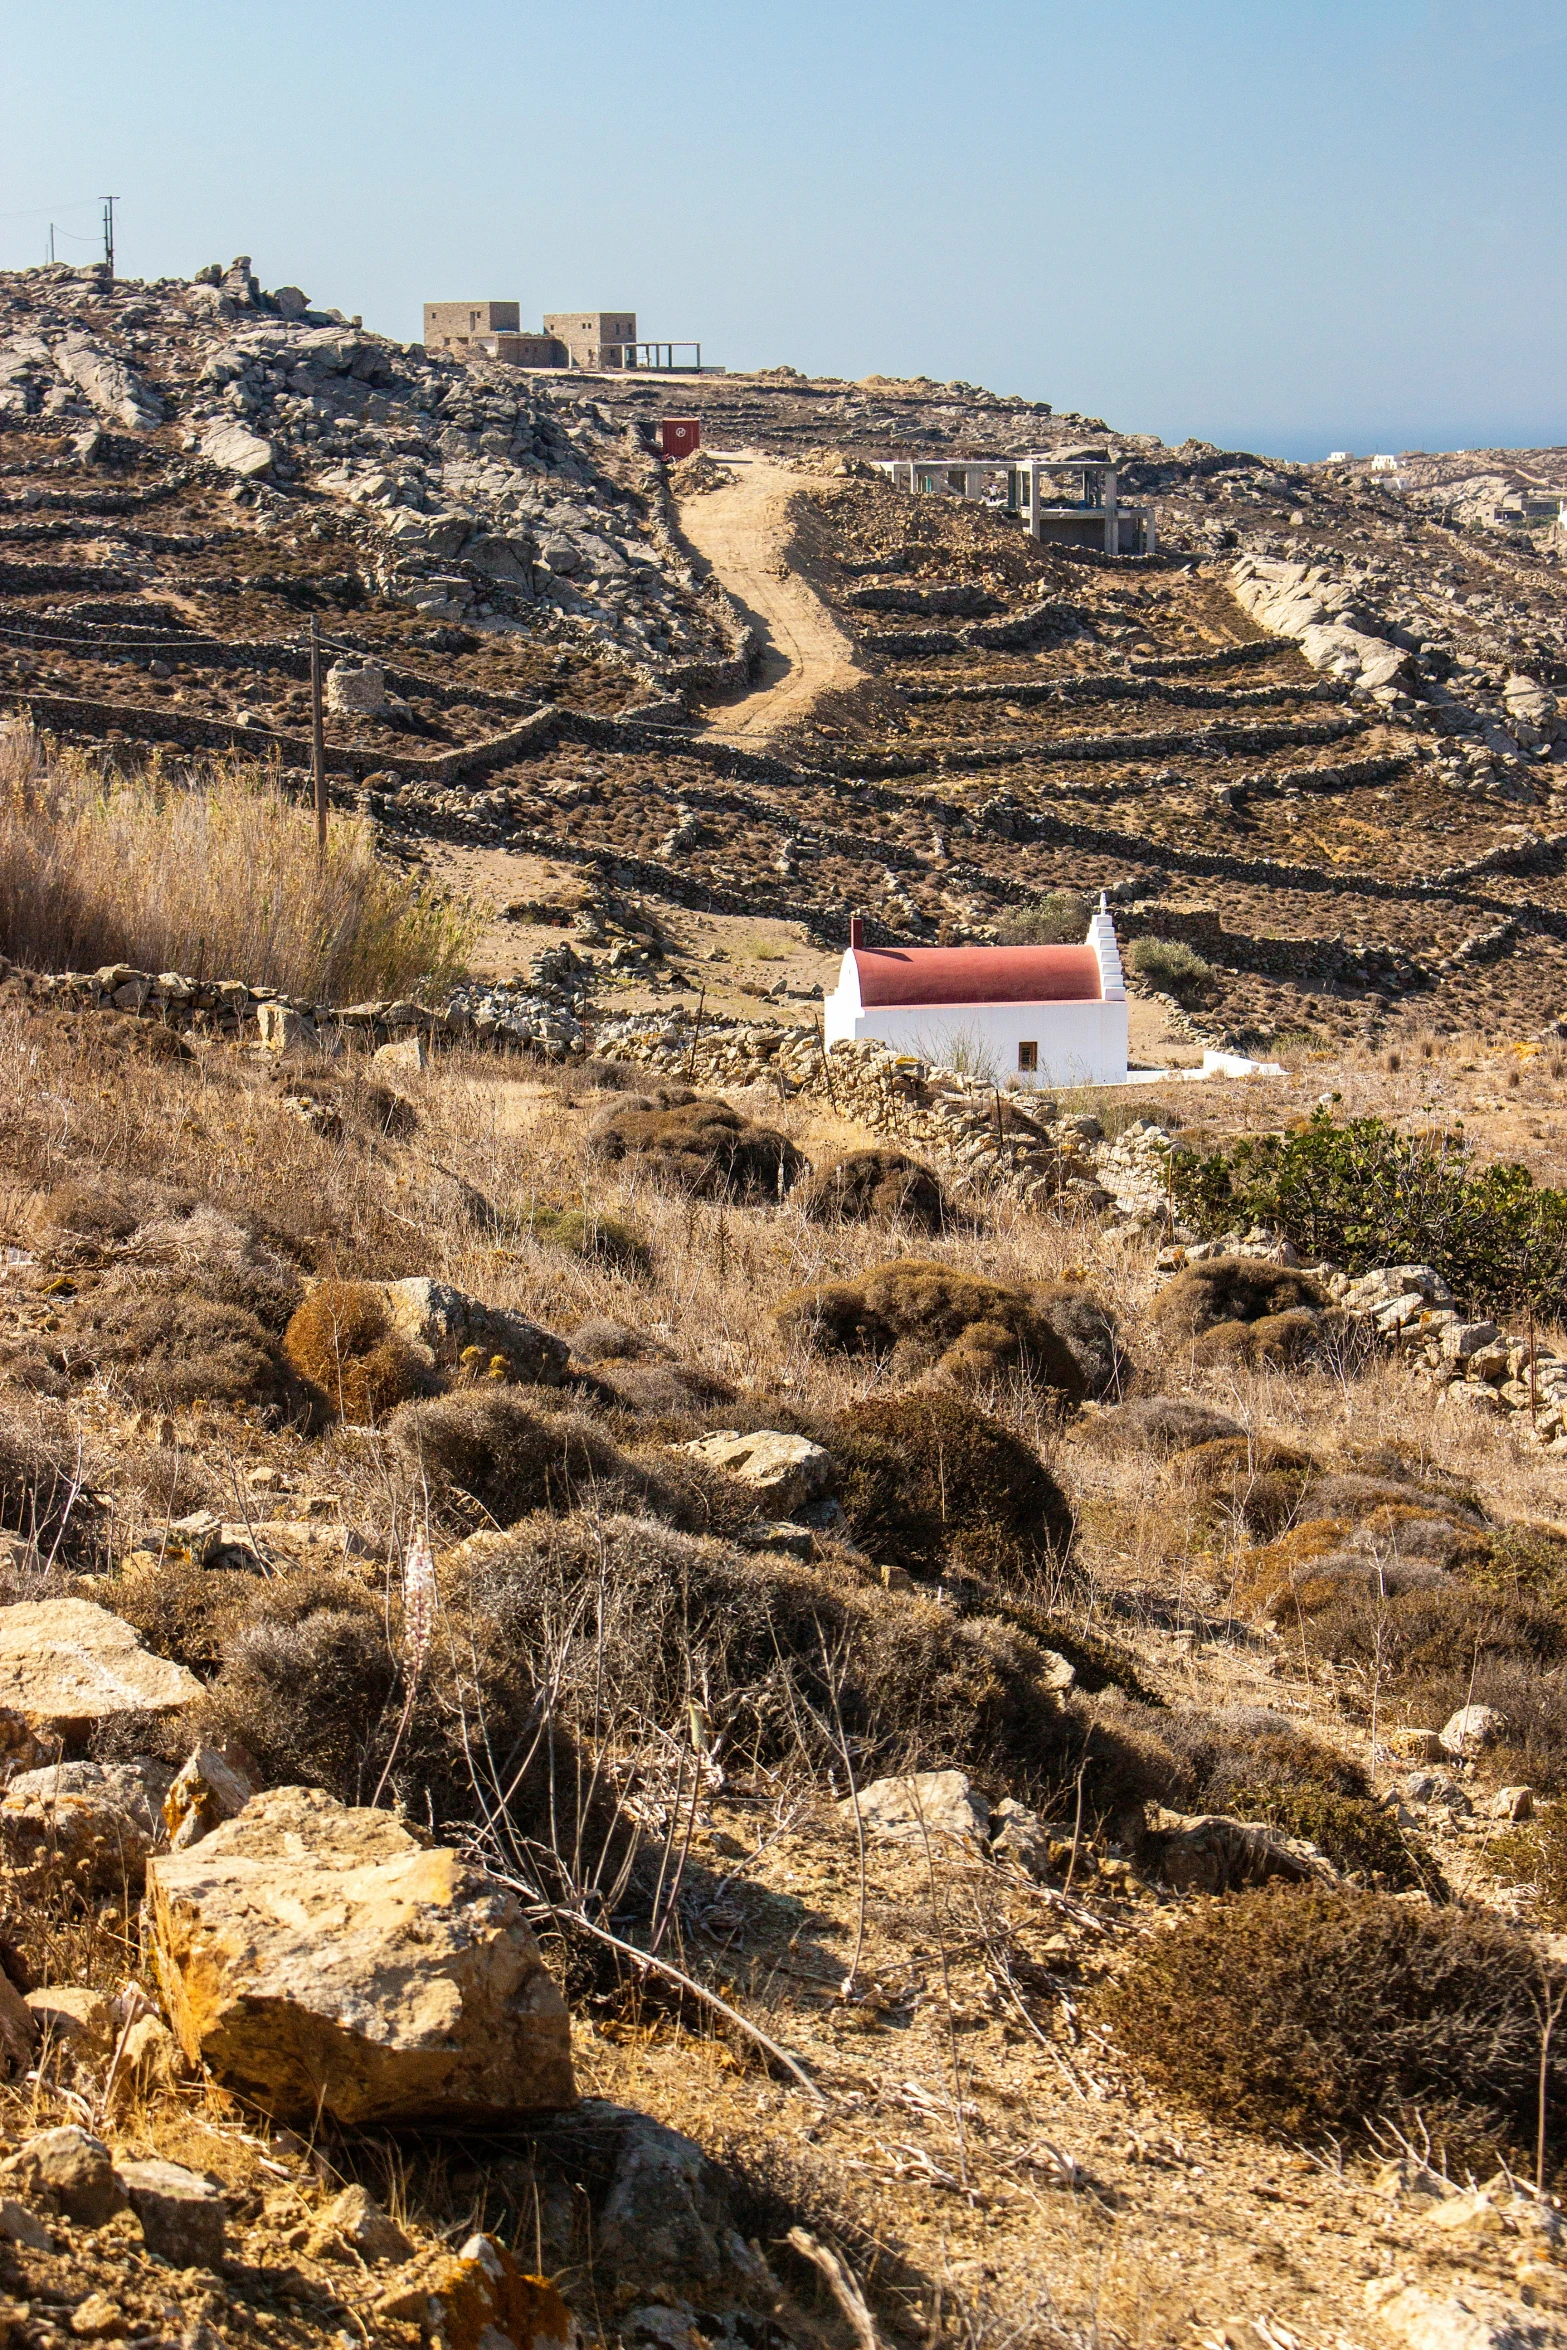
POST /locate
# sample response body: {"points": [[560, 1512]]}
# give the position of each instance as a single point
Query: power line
{"points": [[42, 211]]}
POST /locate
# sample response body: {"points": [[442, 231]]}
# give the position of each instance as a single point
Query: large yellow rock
{"points": [[65, 1663], [316, 1958]]}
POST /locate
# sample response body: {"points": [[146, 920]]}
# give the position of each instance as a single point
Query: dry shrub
{"points": [[1273, 1339], [1232, 1289], [344, 1101], [600, 1340], [213, 872], [1361, 1840], [1089, 1332], [701, 1146], [930, 1483], [620, 1618], [97, 1211], [664, 1392], [921, 1316], [310, 1681], [509, 1457], [342, 1341], [1218, 1750], [601, 1239], [1313, 2013], [43, 1493], [876, 1187], [1250, 1479], [775, 1647], [191, 1309], [1159, 1424], [180, 1608], [1536, 1853]]}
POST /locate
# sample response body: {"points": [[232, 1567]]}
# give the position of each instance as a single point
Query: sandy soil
{"points": [[741, 533]]}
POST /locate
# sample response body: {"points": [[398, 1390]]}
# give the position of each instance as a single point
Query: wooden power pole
{"points": [[317, 735]]}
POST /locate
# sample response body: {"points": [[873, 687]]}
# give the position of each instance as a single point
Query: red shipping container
{"points": [[679, 436]]}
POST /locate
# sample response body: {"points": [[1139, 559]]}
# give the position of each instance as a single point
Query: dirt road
{"points": [[741, 532]]}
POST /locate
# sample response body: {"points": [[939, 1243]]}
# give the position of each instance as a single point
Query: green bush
{"points": [[1173, 967], [1364, 1194], [1059, 918], [1315, 2011]]}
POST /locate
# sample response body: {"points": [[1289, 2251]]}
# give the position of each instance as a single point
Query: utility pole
{"points": [[51, 244], [109, 203], [317, 736]]}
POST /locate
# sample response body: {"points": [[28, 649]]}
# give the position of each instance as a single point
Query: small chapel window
{"points": [[1028, 1057]]}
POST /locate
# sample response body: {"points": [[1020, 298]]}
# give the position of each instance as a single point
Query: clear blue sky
{"points": [[1284, 224]]}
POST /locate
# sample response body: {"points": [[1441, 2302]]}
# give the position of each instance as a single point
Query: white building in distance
{"points": [[1027, 1015]]}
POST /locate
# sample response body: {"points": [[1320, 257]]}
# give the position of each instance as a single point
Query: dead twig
{"points": [[840, 2283]]}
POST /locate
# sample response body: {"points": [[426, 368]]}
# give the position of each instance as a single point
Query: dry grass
{"points": [[964, 2001], [209, 871]]}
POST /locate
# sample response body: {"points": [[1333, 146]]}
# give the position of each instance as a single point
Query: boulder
{"points": [[408, 1053], [18, 2027], [667, 2210], [930, 1803], [290, 303], [18, 2225], [356, 2223], [236, 449], [72, 2014], [784, 1472], [182, 2212], [1472, 2320], [207, 1792], [66, 2172], [1210, 1853], [136, 1789], [115, 390], [148, 2059], [318, 1959], [1018, 1834], [1471, 1728], [447, 1321], [65, 1664]]}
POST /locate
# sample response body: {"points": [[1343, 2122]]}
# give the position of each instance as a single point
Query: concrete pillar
{"points": [[1112, 515]]}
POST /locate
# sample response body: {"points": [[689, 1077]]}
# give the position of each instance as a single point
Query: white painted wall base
{"points": [[1079, 1043]]}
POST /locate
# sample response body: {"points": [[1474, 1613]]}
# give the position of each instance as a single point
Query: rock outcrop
{"points": [[320, 1959], [65, 1663]]}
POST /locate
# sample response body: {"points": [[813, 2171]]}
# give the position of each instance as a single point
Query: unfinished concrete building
{"points": [[598, 339], [1064, 500], [488, 330], [594, 338], [453, 326]]}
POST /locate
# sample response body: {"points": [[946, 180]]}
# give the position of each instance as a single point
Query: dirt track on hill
{"points": [[741, 533]]}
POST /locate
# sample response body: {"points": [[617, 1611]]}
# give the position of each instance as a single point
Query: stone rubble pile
{"points": [[980, 1138], [1412, 1309], [535, 1014], [1481, 1366]]}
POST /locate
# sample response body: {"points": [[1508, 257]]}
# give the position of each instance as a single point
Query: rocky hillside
{"points": [[1313, 742]]}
